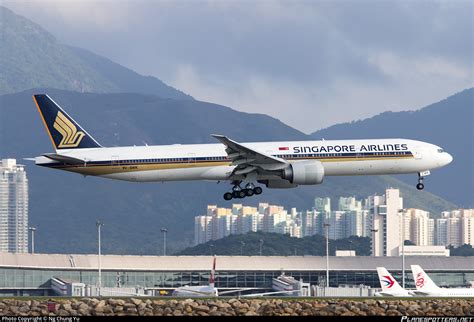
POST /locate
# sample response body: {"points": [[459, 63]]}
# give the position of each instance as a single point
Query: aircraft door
{"points": [[115, 161], [417, 153], [192, 159]]}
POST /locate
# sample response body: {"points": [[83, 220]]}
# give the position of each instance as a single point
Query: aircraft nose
{"points": [[449, 158]]}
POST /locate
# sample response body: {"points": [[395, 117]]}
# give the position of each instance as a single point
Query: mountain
{"points": [[448, 123], [31, 57], [278, 245], [65, 206]]}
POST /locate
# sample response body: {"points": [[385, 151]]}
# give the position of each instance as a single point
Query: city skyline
{"points": [[369, 217]]}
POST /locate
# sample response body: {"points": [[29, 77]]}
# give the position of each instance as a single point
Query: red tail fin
{"points": [[213, 272]]}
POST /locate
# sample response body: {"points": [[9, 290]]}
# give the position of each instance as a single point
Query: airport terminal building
{"points": [[32, 274]]}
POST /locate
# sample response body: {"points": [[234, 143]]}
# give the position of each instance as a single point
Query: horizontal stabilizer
{"points": [[63, 158]]}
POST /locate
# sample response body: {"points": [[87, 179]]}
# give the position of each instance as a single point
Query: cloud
{"points": [[309, 63]]}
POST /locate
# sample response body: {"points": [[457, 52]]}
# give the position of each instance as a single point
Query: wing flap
{"points": [[247, 159]]}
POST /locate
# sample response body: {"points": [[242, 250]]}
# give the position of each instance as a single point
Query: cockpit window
{"points": [[440, 150]]}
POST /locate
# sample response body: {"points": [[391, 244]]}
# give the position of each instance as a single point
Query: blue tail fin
{"points": [[64, 132]]}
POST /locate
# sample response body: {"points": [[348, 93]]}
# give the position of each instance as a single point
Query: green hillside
{"points": [[30, 57], [278, 245]]}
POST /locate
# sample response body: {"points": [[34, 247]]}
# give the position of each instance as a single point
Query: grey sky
{"points": [[309, 63]]}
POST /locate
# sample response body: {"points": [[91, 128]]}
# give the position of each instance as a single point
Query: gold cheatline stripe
{"points": [[110, 169]]}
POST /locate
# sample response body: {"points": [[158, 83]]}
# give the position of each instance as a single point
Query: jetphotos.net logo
{"points": [[388, 281]]}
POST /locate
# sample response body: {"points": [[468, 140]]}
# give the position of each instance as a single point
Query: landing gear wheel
{"points": [[241, 194], [420, 185], [235, 194], [257, 190], [228, 196], [249, 192]]}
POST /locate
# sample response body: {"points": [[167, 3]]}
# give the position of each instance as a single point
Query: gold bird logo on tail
{"points": [[71, 137]]}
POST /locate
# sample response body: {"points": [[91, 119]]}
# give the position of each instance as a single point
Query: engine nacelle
{"points": [[278, 184], [304, 172]]}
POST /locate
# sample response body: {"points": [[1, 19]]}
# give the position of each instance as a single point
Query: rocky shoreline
{"points": [[233, 307]]}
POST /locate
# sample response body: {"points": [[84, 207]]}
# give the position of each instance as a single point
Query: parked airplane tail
{"points": [[64, 132], [422, 280], [387, 281], [212, 278]]}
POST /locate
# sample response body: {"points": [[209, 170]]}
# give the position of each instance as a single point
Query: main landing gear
{"points": [[239, 193]]}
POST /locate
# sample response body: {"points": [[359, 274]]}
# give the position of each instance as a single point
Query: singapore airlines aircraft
{"points": [[274, 164], [426, 287], [390, 286]]}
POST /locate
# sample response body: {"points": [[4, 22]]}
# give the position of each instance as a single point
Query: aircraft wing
{"points": [[247, 159]]}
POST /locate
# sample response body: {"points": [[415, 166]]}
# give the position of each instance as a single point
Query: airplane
{"points": [[390, 286], [209, 290], [426, 287], [199, 291], [275, 164]]}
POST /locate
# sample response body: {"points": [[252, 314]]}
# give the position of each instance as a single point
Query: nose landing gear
{"points": [[421, 176], [239, 193]]}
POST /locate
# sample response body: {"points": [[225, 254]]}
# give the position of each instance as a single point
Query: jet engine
{"points": [[306, 172]]}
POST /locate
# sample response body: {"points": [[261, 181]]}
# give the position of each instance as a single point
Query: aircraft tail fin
{"points": [[422, 281], [387, 281], [64, 132], [212, 278]]}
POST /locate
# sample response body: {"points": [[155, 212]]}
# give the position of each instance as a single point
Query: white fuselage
{"points": [[446, 292], [400, 293], [210, 161], [195, 291]]}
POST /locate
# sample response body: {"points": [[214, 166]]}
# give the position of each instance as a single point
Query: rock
{"points": [[117, 308], [24, 309], [202, 308], [392, 312], [131, 310], [216, 313], [177, 313], [136, 301], [251, 313], [159, 303]]}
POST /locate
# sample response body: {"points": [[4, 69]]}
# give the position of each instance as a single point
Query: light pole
{"points": [[164, 231], [402, 211], [242, 244], [261, 244], [327, 253], [32, 229], [98, 225], [373, 240]]}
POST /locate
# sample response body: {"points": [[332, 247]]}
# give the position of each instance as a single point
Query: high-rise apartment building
{"points": [[386, 222], [378, 217], [13, 207]]}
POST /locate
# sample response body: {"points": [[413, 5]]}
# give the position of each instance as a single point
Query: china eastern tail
{"points": [[285, 164]]}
